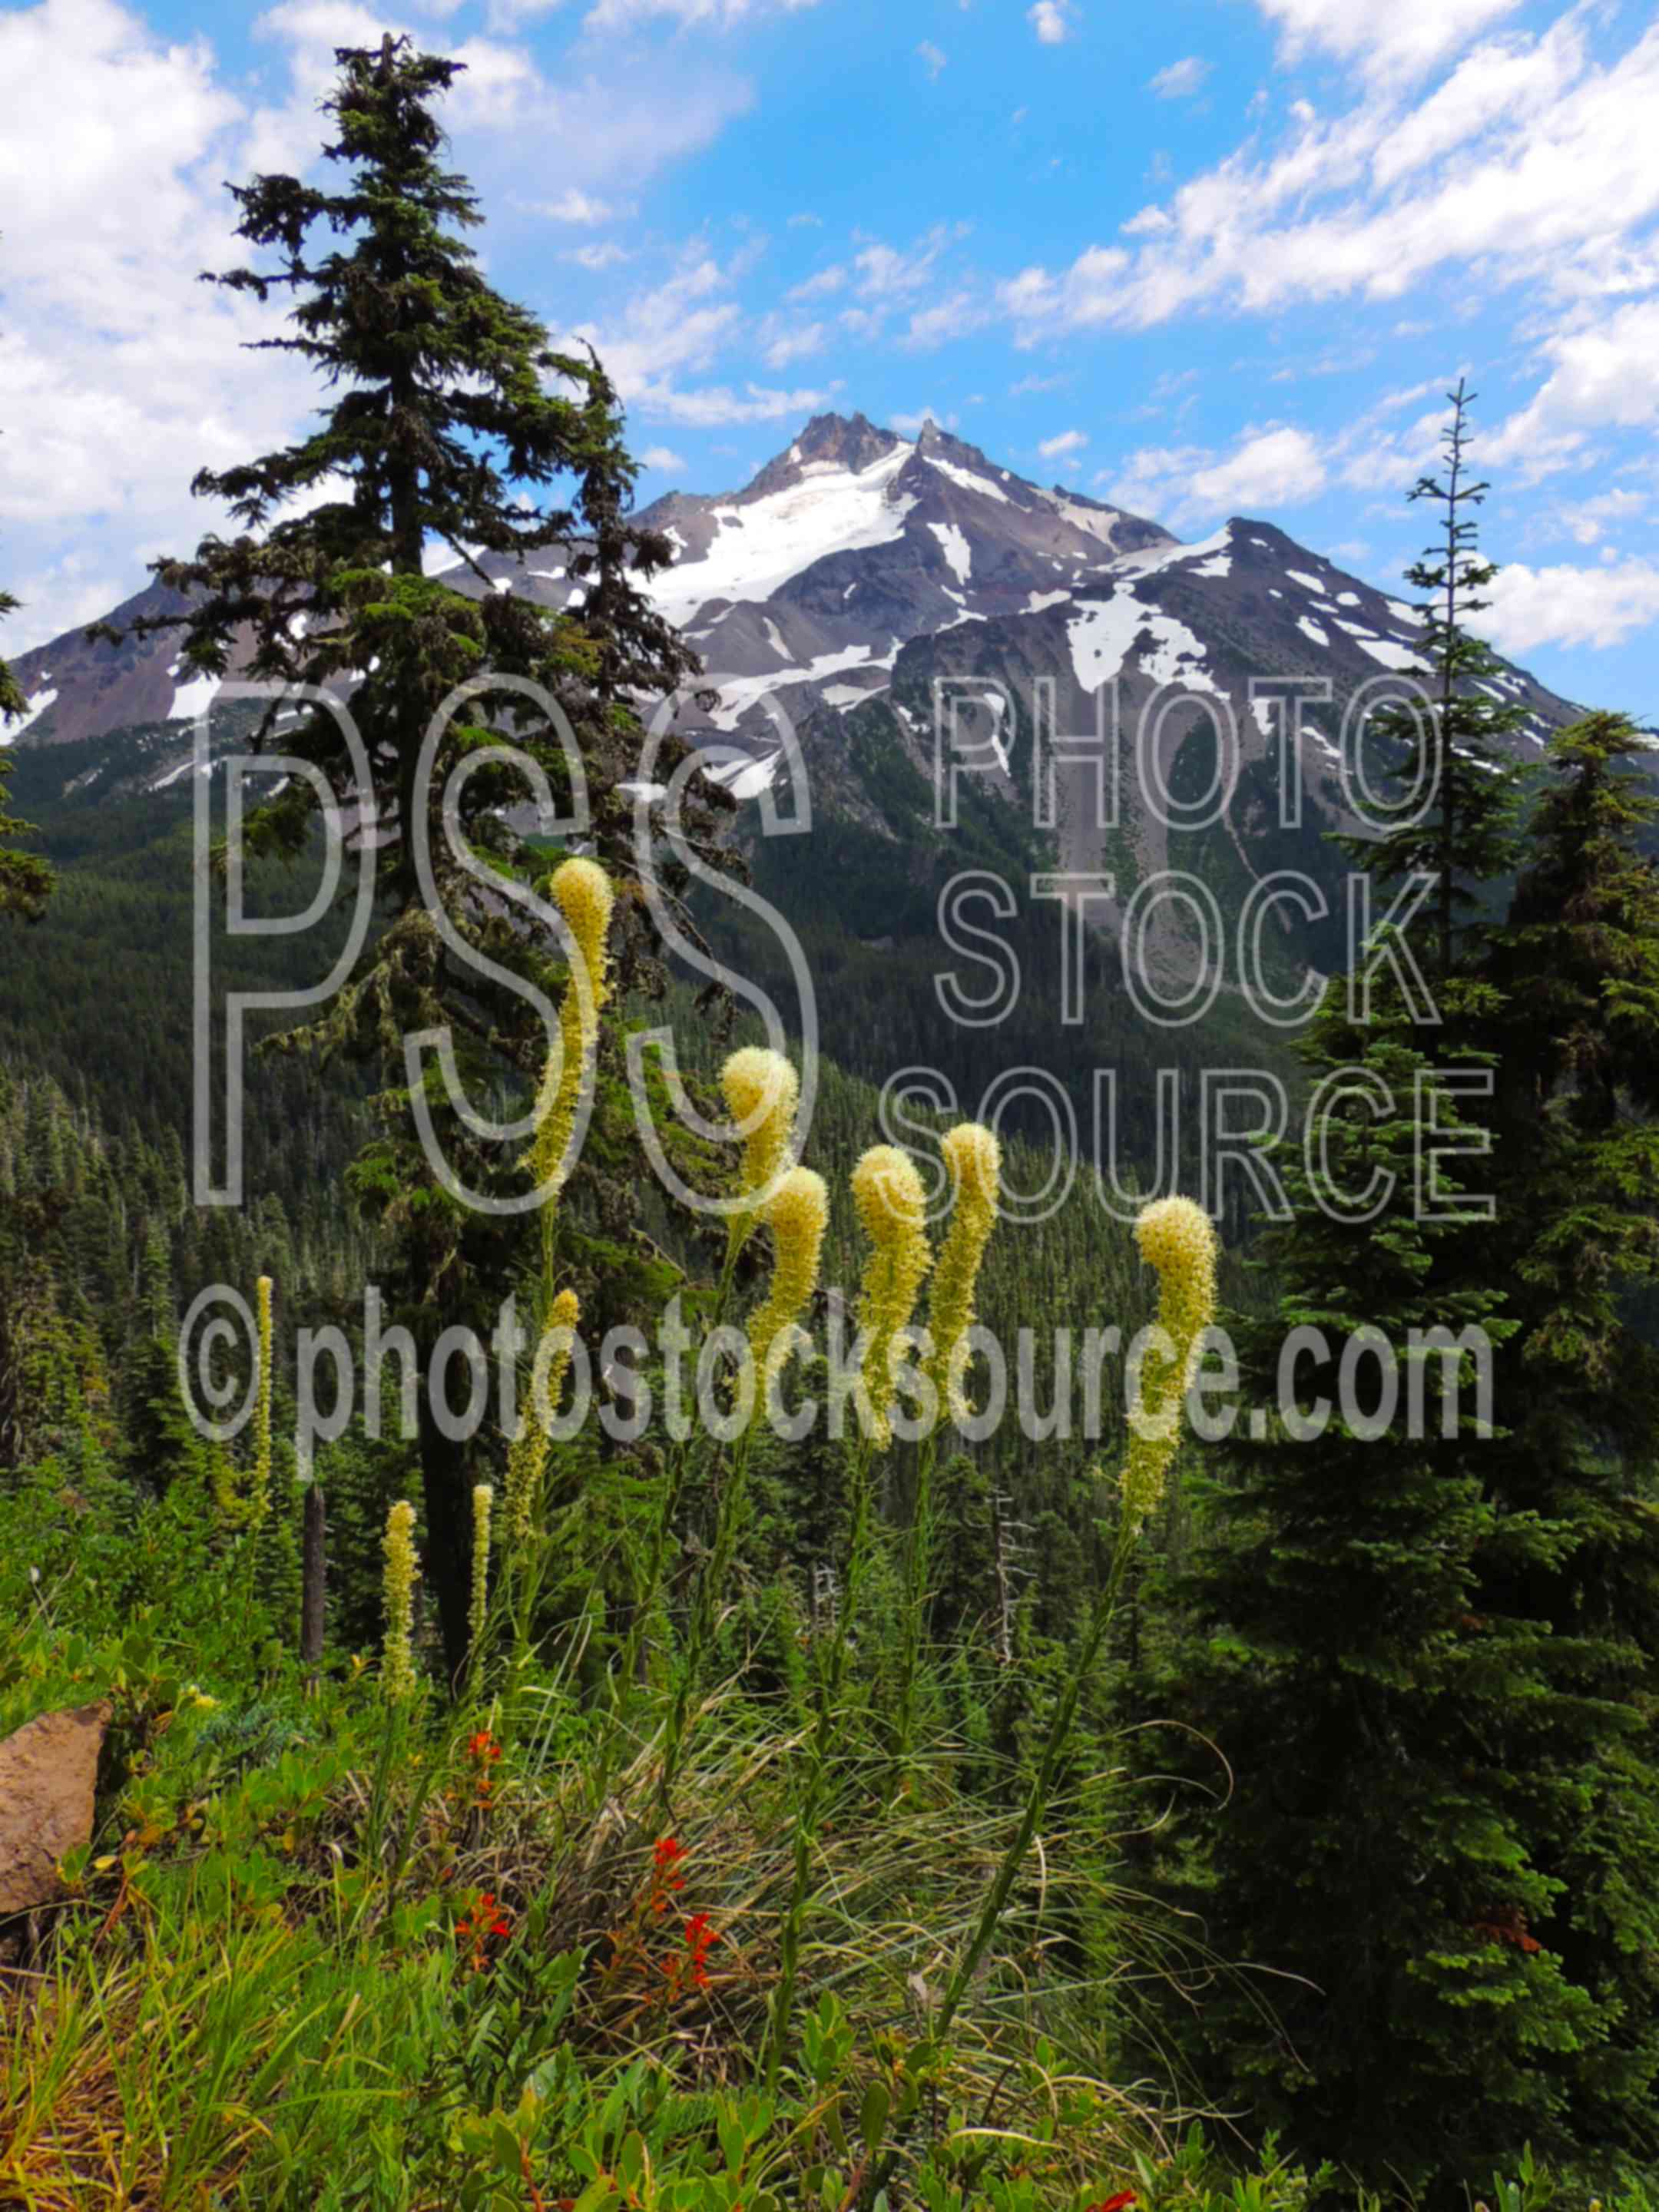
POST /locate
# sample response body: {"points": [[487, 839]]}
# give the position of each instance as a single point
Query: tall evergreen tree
{"points": [[1376, 1850], [1461, 835], [452, 422], [1378, 1642], [1576, 1165]]}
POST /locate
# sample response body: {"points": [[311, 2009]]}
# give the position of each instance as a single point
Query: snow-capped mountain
{"points": [[858, 567]]}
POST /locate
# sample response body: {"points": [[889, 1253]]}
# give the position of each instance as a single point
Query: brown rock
{"points": [[47, 1772]]}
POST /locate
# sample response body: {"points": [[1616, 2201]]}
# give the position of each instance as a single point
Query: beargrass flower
{"points": [[892, 1208], [762, 1093], [483, 1498], [585, 899], [527, 1458], [397, 1662], [796, 1213], [1176, 1237], [974, 1159]]}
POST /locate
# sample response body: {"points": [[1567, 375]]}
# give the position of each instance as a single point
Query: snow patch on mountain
{"points": [[1390, 650], [758, 545], [953, 541], [37, 707], [739, 693], [1103, 632], [1149, 560], [193, 698], [966, 478]]}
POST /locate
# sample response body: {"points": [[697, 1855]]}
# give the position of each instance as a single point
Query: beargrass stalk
{"points": [[762, 1090], [1176, 1237], [892, 1208], [483, 1498], [585, 899], [797, 1213], [668, 1506], [396, 1661], [527, 1458], [974, 1159], [239, 1511]]}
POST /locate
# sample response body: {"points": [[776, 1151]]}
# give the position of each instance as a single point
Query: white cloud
{"points": [[719, 404], [717, 15], [679, 324], [572, 206], [1180, 79], [817, 287], [908, 424], [1270, 468], [1403, 39], [1051, 19], [1602, 378], [1589, 519], [1565, 605], [1531, 160], [110, 180], [885, 272], [950, 318], [661, 457], [120, 374], [1067, 441], [604, 256], [931, 57], [793, 345]]}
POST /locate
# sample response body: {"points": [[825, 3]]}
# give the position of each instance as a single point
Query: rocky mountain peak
{"points": [[847, 442]]}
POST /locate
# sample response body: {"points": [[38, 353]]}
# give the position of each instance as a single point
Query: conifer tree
{"points": [[1376, 1847], [1413, 1730], [25, 880], [1576, 1163], [453, 422], [1458, 752]]}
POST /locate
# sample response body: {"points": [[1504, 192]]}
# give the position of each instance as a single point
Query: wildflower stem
{"points": [[825, 1727], [705, 1602], [917, 1559], [1037, 1802], [673, 1490]]}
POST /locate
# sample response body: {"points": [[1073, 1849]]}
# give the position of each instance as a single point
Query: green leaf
{"points": [[873, 2116]]}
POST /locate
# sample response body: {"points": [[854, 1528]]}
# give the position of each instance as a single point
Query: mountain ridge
{"points": [[857, 569]]}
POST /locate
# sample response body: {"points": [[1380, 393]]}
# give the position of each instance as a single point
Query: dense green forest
{"points": [[987, 1811]]}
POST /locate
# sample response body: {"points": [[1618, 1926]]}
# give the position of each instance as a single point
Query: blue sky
{"points": [[1208, 257]]}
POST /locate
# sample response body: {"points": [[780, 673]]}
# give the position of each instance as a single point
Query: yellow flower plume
{"points": [[974, 1159], [585, 899], [762, 1093], [483, 1498], [527, 1458], [797, 1213], [892, 1208], [1176, 1237], [396, 1661]]}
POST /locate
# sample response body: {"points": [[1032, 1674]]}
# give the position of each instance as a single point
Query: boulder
{"points": [[48, 1770]]}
